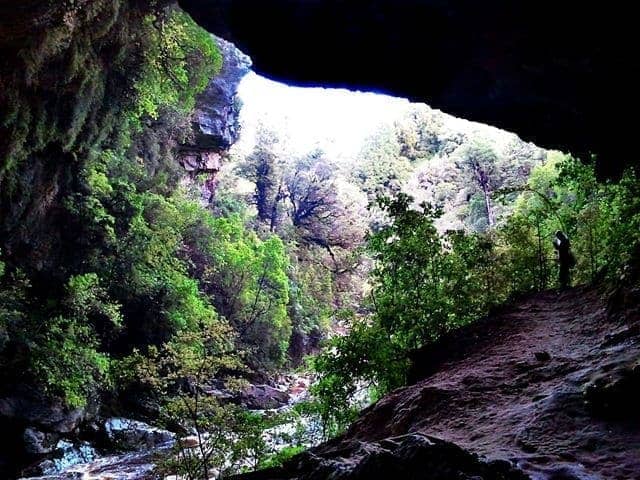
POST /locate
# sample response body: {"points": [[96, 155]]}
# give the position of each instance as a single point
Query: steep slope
{"points": [[548, 385]]}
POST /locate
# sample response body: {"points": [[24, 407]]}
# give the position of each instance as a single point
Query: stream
{"points": [[81, 461]]}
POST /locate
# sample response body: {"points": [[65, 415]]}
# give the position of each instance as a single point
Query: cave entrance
{"points": [[369, 144]]}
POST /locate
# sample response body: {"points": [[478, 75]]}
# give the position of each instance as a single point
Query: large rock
{"points": [[31, 408], [615, 393], [215, 120], [407, 457], [135, 435], [66, 454], [39, 443], [58, 476], [216, 114], [264, 397], [484, 389]]}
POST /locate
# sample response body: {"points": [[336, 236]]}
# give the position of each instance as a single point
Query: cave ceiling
{"points": [[560, 74]]}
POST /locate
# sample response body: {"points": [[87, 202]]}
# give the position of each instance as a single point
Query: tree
{"points": [[423, 284], [246, 279], [411, 301], [264, 168], [479, 160], [564, 194], [382, 169], [311, 191], [181, 372]]}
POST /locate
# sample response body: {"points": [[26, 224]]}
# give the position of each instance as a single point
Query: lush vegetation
{"points": [[119, 281], [134, 294], [426, 283], [459, 221], [118, 286]]}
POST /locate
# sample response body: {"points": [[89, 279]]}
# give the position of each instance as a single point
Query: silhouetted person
{"points": [[566, 259]]}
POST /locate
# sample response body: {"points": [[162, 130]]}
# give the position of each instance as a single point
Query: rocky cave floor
{"points": [[550, 386]]}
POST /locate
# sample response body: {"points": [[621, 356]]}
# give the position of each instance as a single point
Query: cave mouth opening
{"points": [[338, 121], [375, 145], [542, 70], [335, 120]]}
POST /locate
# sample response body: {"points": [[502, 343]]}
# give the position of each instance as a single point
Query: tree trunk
{"points": [[483, 180]]}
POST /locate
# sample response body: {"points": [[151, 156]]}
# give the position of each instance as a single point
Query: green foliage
{"points": [[178, 64], [67, 361], [409, 292], [425, 283], [265, 170], [65, 352], [351, 364], [284, 455], [384, 168], [14, 289], [148, 267], [247, 280], [477, 162], [300, 199], [189, 361], [599, 218], [86, 298], [143, 290], [125, 280], [64, 356], [312, 293], [423, 286]]}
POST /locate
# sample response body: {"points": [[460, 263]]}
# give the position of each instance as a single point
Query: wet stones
{"points": [[264, 397], [130, 434]]}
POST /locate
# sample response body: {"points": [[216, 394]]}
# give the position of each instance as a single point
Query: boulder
{"points": [[39, 443], [264, 397], [135, 435], [59, 476], [63, 455], [408, 456], [191, 441], [616, 392], [31, 408]]}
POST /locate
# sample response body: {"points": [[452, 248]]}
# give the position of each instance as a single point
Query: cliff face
{"points": [[65, 74], [217, 109], [82, 113], [68, 73], [215, 119], [549, 387]]}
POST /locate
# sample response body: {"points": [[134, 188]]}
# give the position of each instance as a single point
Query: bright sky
{"points": [[335, 120]]}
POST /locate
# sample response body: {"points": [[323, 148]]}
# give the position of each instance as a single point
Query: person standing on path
{"points": [[566, 260]]}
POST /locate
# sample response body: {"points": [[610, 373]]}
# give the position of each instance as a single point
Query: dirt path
{"points": [[508, 399]]}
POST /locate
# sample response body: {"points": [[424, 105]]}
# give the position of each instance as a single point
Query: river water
{"points": [[82, 462]]}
